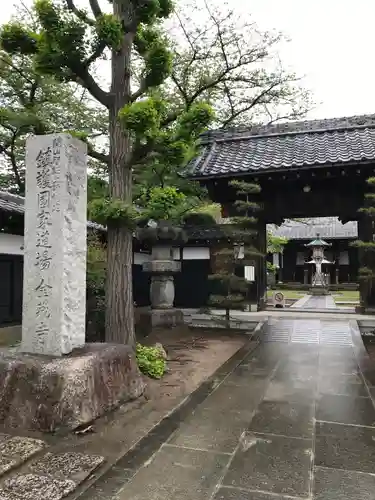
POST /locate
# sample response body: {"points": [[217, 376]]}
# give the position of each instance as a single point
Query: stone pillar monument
{"points": [[56, 380], [54, 294]]}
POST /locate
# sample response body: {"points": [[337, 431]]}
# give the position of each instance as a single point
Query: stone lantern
{"points": [[162, 237], [319, 285]]}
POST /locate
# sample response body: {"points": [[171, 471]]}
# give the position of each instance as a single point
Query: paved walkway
{"points": [[294, 420], [320, 302]]}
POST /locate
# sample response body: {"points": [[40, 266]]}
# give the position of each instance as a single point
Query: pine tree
{"points": [[66, 45], [241, 234], [366, 249]]}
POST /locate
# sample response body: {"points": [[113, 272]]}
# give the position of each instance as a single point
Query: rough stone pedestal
{"points": [[159, 317], [46, 394], [162, 268]]}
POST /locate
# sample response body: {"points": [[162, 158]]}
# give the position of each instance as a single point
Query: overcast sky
{"points": [[332, 44]]}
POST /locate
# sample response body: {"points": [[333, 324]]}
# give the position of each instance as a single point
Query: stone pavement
{"points": [[316, 302], [294, 420]]}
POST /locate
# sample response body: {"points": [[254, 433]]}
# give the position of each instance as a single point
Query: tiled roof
{"points": [[11, 202], [15, 204], [327, 227], [285, 146]]}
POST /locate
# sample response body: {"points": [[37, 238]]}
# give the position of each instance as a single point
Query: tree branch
{"points": [[95, 7], [87, 81], [96, 154], [12, 157], [139, 93], [13, 162], [79, 13], [98, 52], [16, 69], [254, 102]]}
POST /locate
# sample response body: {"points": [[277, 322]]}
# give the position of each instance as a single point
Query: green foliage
{"points": [[164, 151], [151, 361], [16, 39], [365, 245], [166, 204], [230, 301], [231, 289], [165, 8], [367, 248], [150, 10], [211, 209], [275, 244], [245, 188], [145, 38], [271, 268], [35, 104], [158, 62], [113, 212], [194, 218], [195, 120], [62, 46], [142, 117], [109, 31], [97, 187], [96, 265], [62, 43], [162, 203]]}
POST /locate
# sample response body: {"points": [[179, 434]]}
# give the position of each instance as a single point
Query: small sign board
{"points": [[278, 300]]}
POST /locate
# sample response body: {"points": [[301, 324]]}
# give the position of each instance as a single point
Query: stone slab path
{"points": [[294, 420], [316, 302]]}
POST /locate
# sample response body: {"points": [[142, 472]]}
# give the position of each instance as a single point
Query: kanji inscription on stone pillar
{"points": [[54, 293]]}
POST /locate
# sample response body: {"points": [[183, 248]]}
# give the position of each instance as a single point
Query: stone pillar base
{"points": [[46, 394], [160, 317]]}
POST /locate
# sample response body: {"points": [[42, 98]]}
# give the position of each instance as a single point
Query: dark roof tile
{"points": [[284, 146]]}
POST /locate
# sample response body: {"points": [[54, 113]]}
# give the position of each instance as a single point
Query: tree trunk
{"points": [[119, 325]]}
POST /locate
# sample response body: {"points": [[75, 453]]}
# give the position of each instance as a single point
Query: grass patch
{"points": [[346, 296], [351, 296]]}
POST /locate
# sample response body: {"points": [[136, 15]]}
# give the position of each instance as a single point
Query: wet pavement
{"points": [[293, 420]]}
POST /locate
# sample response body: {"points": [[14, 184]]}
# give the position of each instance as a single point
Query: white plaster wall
{"points": [[196, 253], [11, 244]]}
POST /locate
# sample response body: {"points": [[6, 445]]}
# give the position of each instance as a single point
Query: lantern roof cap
{"points": [[318, 242]]}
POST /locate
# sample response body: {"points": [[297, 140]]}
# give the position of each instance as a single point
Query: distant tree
{"points": [[66, 44], [222, 57], [33, 103], [275, 244], [240, 233]]}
